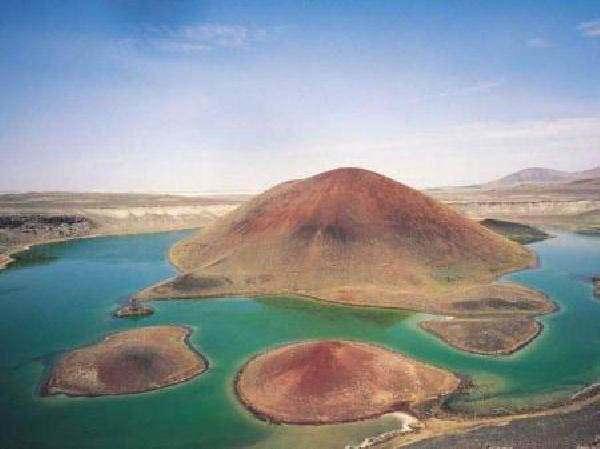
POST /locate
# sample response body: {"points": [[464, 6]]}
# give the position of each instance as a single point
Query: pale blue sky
{"points": [[236, 96]]}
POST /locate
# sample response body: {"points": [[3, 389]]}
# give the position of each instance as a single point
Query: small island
{"points": [[485, 336], [133, 309], [596, 282], [132, 361], [319, 382]]}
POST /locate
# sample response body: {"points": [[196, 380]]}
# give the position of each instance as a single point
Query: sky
{"points": [[236, 96]]}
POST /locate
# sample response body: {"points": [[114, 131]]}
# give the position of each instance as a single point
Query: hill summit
{"points": [[348, 235]]}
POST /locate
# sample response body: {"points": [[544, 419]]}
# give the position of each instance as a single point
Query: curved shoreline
{"points": [[494, 280], [42, 389], [6, 258], [542, 304], [502, 352], [143, 296]]}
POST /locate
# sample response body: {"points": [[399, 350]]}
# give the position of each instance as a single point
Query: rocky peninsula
{"points": [[319, 382], [132, 361]]}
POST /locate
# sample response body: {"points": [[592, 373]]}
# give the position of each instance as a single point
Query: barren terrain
{"points": [[569, 205], [31, 218]]}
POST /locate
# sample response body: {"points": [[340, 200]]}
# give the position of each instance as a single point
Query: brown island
{"points": [[355, 237], [319, 382], [498, 320], [485, 336], [132, 361]]}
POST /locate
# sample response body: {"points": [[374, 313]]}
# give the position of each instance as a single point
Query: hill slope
{"points": [[346, 235], [533, 175]]}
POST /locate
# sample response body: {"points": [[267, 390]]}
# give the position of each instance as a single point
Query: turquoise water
{"points": [[60, 296]]}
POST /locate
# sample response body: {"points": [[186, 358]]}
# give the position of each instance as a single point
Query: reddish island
{"points": [[322, 382]]}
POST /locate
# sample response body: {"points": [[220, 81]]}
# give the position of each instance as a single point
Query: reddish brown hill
{"points": [[348, 235], [332, 381]]}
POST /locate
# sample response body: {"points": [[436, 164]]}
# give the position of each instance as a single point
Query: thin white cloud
{"points": [[538, 42], [590, 29], [197, 38]]}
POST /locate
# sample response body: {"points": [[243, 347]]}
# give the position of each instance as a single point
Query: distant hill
{"points": [[588, 174], [349, 235], [541, 176]]}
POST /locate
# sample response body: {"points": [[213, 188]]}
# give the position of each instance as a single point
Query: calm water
{"points": [[60, 296]]}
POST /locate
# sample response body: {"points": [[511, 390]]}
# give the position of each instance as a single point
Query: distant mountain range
{"points": [[540, 175]]}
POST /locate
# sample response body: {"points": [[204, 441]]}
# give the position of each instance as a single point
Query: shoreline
{"points": [[492, 280], [495, 284], [315, 299], [6, 258], [494, 317], [513, 349], [458, 424], [142, 295], [42, 388]]}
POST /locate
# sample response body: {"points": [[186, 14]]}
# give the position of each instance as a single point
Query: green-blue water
{"points": [[60, 296]]}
